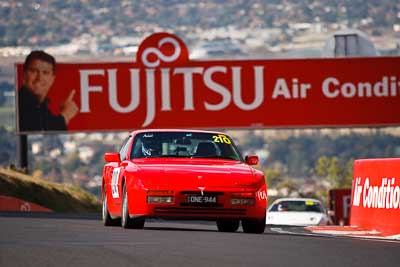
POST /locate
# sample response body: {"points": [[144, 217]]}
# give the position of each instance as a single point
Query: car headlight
{"points": [[324, 221], [160, 196], [160, 199], [243, 199]]}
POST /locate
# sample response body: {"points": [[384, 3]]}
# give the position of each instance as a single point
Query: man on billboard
{"points": [[34, 113]]}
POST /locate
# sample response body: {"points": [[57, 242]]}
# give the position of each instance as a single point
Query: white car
{"points": [[296, 212]]}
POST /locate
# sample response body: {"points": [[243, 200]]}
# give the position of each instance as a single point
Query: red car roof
{"points": [[174, 130]]}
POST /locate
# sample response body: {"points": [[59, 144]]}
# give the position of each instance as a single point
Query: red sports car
{"points": [[183, 174]]}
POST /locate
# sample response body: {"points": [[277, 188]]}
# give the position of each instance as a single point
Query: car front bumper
{"points": [[181, 209]]}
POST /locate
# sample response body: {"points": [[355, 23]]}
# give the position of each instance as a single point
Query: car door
{"points": [[116, 171]]}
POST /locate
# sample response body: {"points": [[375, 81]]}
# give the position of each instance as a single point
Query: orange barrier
{"points": [[14, 204], [376, 195]]}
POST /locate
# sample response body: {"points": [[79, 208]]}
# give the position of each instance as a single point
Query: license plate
{"points": [[201, 199]]}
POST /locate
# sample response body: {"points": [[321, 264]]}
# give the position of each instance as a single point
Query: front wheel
{"points": [[126, 221], [253, 226], [106, 217]]}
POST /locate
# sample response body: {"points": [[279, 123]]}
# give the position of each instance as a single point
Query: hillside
{"points": [[57, 197], [22, 23]]}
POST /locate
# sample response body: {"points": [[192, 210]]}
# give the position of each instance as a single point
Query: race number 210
{"points": [[221, 139]]}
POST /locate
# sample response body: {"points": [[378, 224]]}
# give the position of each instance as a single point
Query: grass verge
{"points": [[55, 196]]}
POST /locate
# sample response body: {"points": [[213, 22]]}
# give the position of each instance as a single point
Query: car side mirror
{"points": [[251, 160], [112, 157]]}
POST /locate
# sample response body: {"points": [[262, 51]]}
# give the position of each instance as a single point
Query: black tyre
{"points": [[106, 217], [126, 221], [227, 225], [253, 226]]}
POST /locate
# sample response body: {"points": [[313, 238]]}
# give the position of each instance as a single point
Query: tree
{"points": [[271, 177], [340, 175], [72, 162], [5, 87], [253, 141], [8, 142]]}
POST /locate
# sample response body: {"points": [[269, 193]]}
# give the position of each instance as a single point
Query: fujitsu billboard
{"points": [[163, 88]]}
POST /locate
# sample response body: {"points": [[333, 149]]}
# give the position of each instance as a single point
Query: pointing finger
{"points": [[71, 96]]}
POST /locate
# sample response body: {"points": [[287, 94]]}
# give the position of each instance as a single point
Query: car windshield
{"points": [[184, 144], [298, 205]]}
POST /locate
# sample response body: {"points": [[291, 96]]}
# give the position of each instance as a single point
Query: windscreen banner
{"points": [[163, 88], [376, 195]]}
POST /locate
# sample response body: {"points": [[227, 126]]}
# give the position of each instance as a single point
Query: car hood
{"points": [[295, 218], [195, 172]]}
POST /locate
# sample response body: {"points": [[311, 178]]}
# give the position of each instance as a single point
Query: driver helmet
{"points": [[151, 148]]}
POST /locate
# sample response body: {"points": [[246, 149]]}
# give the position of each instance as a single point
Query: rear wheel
{"points": [[227, 225], [253, 226], [126, 221], [106, 217]]}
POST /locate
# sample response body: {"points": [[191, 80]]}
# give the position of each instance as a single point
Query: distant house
{"points": [[349, 43]]}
